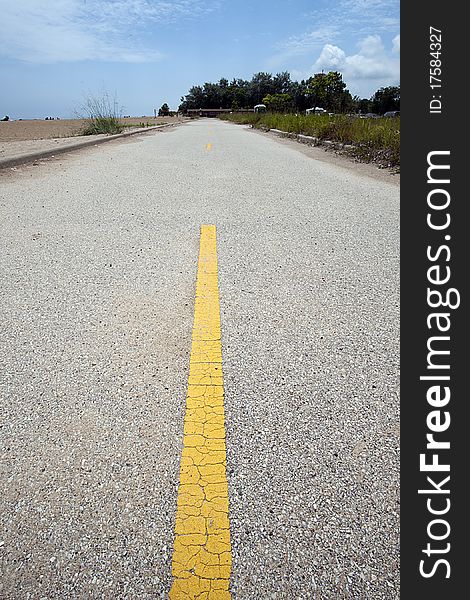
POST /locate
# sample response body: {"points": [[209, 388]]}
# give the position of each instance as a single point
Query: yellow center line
{"points": [[202, 556]]}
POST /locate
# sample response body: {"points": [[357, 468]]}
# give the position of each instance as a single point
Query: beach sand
{"points": [[36, 129]]}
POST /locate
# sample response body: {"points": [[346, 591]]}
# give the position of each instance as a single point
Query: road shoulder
{"points": [[13, 154], [333, 158]]}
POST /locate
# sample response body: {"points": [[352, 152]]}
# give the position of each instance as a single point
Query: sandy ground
{"points": [[21, 148], [35, 129], [23, 139]]}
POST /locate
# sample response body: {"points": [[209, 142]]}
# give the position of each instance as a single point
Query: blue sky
{"points": [[55, 53]]}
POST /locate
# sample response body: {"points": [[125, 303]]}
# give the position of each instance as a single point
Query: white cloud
{"points": [[126, 12], [396, 44], [358, 17], [331, 58], [337, 25], [371, 46], [74, 30], [373, 66], [298, 45], [378, 15]]}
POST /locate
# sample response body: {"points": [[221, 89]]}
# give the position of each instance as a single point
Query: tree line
{"points": [[281, 94]]}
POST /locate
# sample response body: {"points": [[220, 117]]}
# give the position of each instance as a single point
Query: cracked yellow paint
{"points": [[202, 556]]}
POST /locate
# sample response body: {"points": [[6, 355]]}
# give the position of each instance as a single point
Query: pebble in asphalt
{"points": [[98, 264]]}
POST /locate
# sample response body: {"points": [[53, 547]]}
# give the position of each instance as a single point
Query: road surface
{"points": [[98, 263]]}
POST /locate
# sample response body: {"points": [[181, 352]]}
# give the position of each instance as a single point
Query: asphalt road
{"points": [[98, 263]]}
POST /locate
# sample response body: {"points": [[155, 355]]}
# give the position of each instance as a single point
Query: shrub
{"points": [[102, 116]]}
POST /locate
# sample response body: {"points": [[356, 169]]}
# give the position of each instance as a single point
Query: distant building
{"points": [[206, 112]]}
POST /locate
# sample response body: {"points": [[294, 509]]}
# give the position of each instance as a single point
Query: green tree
{"points": [[278, 102], [282, 83], [364, 106], [300, 98], [164, 110], [316, 90], [328, 90], [386, 99], [324, 89], [261, 85]]}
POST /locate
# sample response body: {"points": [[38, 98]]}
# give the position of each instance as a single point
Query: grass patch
{"points": [[374, 140], [101, 116], [108, 125]]}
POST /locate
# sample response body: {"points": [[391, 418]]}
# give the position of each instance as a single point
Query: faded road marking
{"points": [[209, 146], [202, 553]]}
